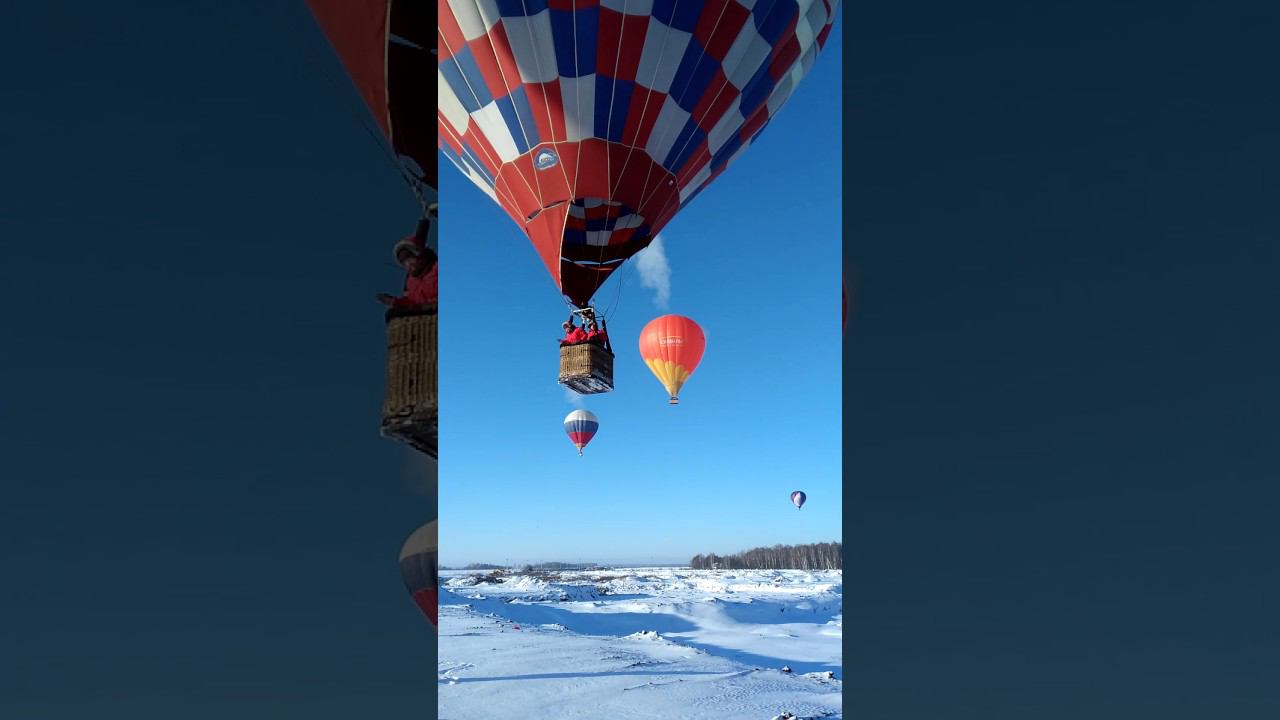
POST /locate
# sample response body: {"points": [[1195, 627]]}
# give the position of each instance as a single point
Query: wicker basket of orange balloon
{"points": [[411, 405], [586, 368]]}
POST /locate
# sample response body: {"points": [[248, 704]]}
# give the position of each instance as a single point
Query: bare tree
{"points": [[814, 556]]}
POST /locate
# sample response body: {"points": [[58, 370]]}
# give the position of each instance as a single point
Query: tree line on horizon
{"points": [[814, 556], [529, 567]]}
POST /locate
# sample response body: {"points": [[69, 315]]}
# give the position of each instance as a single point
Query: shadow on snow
{"points": [[575, 675], [619, 624]]}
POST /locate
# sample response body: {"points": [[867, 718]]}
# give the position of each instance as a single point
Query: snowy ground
{"points": [[641, 643]]}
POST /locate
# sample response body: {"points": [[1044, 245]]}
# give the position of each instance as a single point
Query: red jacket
{"points": [[421, 289], [575, 336]]}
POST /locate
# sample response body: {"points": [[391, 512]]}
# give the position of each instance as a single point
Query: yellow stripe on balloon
{"points": [[670, 374]]}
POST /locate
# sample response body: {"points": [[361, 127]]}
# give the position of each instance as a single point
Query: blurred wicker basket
{"points": [[587, 368], [411, 405]]}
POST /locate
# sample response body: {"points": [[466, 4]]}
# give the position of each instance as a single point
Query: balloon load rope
{"points": [[423, 230], [415, 185]]}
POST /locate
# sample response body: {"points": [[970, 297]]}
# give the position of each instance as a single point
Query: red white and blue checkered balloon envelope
{"points": [[386, 49], [592, 122]]}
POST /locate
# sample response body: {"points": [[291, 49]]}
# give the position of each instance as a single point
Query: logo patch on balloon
{"points": [[546, 159]]}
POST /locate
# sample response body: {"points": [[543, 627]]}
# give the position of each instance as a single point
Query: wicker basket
{"points": [[410, 408], [587, 368]]}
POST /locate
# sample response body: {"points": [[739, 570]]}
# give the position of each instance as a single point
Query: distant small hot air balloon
{"points": [[581, 426], [797, 499], [419, 568], [672, 347]]}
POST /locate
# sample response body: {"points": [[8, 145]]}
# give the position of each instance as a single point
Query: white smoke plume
{"points": [[655, 272], [573, 398]]}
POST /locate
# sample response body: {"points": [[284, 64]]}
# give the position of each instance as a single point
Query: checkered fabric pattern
{"points": [[592, 122]]}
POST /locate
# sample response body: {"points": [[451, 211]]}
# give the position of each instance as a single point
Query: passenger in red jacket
{"points": [[573, 335], [421, 282], [595, 334]]}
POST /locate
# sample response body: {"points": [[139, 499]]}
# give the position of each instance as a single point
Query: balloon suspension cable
{"points": [[617, 297], [415, 185], [604, 327], [362, 117], [428, 219]]}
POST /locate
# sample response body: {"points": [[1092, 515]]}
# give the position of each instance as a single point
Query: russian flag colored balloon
{"points": [[420, 569], [581, 426], [672, 347], [797, 499]]}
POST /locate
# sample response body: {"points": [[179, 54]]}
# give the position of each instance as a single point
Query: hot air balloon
{"points": [[672, 347], [581, 426], [592, 124], [797, 499], [419, 568], [386, 50]]}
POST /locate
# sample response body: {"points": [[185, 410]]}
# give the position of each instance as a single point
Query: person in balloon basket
{"points": [[421, 282], [573, 335], [597, 336]]}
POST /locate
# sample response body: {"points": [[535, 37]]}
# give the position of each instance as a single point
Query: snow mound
{"points": [[524, 583]]}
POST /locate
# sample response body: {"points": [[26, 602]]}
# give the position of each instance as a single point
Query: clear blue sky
{"points": [[755, 260]]}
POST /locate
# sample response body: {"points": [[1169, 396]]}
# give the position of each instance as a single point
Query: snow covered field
{"points": [[641, 643]]}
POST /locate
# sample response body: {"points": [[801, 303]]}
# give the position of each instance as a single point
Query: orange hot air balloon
{"points": [[672, 347]]}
